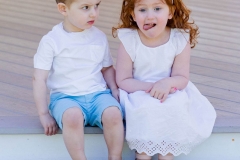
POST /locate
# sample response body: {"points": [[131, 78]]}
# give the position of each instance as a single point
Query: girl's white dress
{"points": [[178, 124]]}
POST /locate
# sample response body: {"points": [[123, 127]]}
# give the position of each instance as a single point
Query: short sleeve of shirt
{"points": [[107, 59], [180, 40], [44, 57], [126, 36]]}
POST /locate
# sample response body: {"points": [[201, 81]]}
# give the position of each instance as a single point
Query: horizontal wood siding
{"points": [[215, 61]]}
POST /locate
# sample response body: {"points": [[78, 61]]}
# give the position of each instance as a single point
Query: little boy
{"points": [[74, 62]]}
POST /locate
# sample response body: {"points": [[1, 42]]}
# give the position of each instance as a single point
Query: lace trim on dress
{"points": [[151, 148]]}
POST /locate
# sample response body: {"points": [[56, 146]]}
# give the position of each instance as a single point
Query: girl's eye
{"points": [[85, 8], [157, 9], [142, 10]]}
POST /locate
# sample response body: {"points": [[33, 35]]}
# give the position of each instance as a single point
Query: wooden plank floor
{"points": [[215, 62]]}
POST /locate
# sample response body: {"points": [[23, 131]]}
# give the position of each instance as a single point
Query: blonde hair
{"points": [[179, 20], [67, 2]]}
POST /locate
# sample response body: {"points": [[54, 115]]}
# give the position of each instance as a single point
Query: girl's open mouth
{"points": [[149, 26]]}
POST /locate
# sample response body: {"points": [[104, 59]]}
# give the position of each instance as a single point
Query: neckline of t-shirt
{"points": [[85, 31], [140, 41]]}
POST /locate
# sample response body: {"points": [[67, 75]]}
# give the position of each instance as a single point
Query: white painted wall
{"points": [[41, 147]]}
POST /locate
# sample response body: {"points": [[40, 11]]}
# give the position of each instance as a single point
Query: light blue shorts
{"points": [[92, 106]]}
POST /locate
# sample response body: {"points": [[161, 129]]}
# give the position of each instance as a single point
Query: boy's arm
{"points": [[109, 76], [40, 97]]}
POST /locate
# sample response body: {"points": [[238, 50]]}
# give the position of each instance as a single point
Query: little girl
{"points": [[165, 112]]}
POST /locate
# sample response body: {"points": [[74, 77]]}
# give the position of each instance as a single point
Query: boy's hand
{"points": [[49, 124], [115, 93]]}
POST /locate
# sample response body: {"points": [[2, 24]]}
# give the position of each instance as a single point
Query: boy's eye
{"points": [[96, 6], [85, 7], [157, 9]]}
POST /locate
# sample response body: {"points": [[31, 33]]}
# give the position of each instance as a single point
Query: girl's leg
{"points": [[167, 157], [142, 156], [113, 132], [73, 132]]}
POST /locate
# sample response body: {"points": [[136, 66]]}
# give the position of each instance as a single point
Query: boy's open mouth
{"points": [[149, 26], [90, 22]]}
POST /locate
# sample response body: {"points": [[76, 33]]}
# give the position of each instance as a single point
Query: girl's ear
{"points": [[133, 15], [171, 13], [62, 8]]}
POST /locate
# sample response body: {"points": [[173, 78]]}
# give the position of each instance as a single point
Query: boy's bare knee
{"points": [[73, 117], [111, 116]]}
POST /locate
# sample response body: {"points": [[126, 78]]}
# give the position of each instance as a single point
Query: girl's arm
{"points": [[124, 73], [181, 69], [179, 76], [109, 76], [40, 97]]}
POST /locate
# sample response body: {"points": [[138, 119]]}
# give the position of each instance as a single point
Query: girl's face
{"points": [[151, 17], [81, 15]]}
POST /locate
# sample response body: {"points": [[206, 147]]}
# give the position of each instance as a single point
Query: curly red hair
{"points": [[179, 20]]}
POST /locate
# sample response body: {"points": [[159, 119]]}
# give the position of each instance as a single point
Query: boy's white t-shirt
{"points": [[74, 60]]}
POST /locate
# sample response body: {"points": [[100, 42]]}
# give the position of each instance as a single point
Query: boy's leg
{"points": [[106, 113], [69, 116], [73, 132], [113, 132]]}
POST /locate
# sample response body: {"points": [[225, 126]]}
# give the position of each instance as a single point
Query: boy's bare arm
{"points": [[109, 76], [40, 97]]}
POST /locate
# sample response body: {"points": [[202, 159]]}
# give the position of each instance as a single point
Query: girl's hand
{"points": [[160, 90], [49, 124], [173, 90], [115, 93]]}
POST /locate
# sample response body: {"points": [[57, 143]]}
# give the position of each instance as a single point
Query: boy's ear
{"points": [[62, 8], [171, 13]]}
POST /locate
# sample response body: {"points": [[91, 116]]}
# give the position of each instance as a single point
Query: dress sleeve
{"points": [[126, 36], [180, 40], [45, 53]]}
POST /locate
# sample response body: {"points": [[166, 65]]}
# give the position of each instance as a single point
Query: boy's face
{"points": [[80, 15]]}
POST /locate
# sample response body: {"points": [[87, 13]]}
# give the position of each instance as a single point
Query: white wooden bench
{"points": [[215, 70]]}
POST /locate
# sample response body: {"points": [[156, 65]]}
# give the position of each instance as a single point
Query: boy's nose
{"points": [[93, 13]]}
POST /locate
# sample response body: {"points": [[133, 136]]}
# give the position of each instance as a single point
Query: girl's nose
{"points": [[150, 15]]}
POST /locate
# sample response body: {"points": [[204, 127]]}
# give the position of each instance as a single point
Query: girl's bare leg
{"points": [[142, 156], [167, 157]]}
